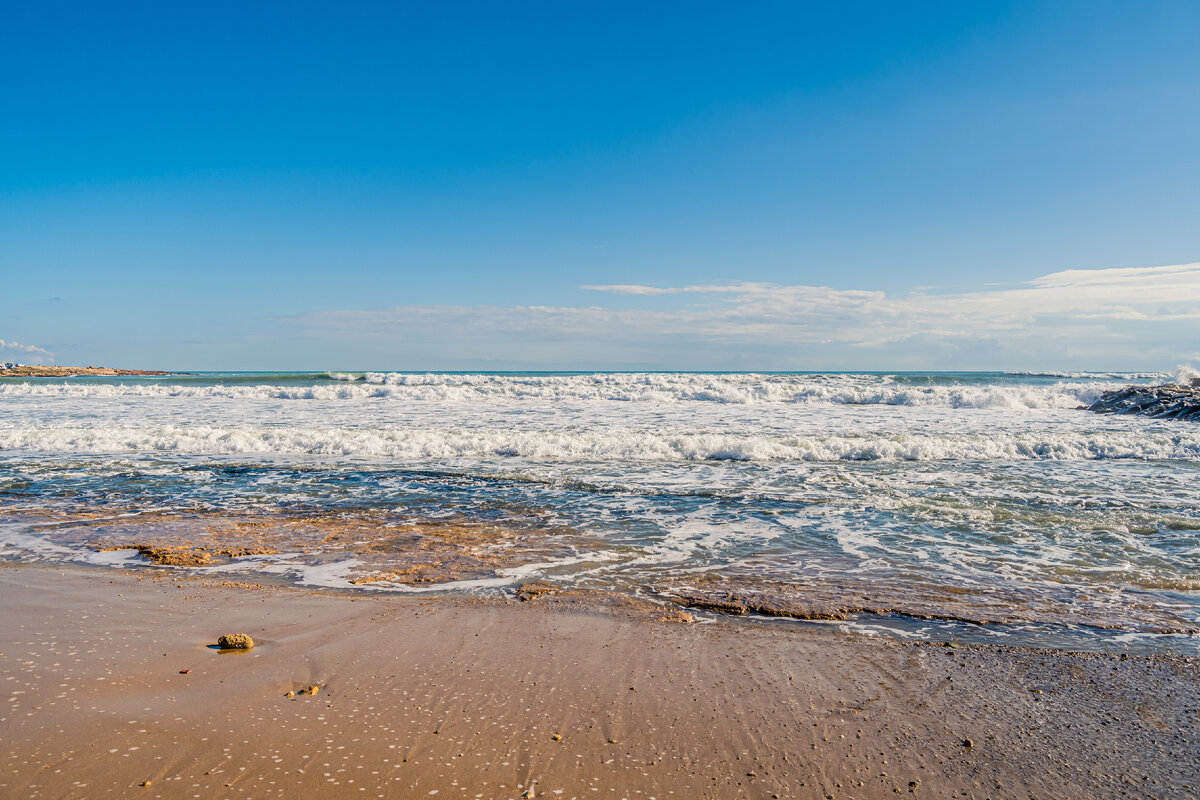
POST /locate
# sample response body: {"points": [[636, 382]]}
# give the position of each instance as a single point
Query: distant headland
{"points": [[10, 370]]}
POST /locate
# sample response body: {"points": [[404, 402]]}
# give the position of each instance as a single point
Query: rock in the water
{"points": [[1169, 401], [235, 641], [532, 590]]}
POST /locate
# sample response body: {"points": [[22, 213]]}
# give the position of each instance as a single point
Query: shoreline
{"points": [[27, 371], [378, 553], [507, 699]]}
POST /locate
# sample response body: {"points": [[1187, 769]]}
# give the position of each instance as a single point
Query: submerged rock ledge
{"points": [[1169, 401]]}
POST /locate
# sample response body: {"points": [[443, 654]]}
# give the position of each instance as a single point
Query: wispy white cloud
{"points": [[630, 288], [1146, 293], [31, 349], [1093, 316], [638, 289]]}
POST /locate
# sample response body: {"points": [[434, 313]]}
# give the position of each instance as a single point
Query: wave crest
{"points": [[647, 388], [1186, 375], [597, 445]]}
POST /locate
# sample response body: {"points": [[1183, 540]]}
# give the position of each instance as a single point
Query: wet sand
{"points": [[348, 547], [560, 697]]}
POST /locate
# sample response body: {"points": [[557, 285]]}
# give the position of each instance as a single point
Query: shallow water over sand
{"points": [[978, 506]]}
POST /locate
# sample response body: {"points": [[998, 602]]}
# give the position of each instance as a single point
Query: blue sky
{"points": [[601, 185]]}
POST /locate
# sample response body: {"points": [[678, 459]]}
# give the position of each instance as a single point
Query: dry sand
{"points": [[556, 698]]}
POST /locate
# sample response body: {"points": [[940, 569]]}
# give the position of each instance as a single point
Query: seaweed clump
{"points": [[235, 641]]}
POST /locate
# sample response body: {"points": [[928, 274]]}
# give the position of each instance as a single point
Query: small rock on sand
{"points": [[313, 689], [235, 641]]}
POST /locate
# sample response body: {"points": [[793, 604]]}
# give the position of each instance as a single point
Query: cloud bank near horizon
{"points": [[1062, 320], [39, 354]]}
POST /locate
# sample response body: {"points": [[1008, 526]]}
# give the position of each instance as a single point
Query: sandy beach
{"points": [[600, 401], [556, 697]]}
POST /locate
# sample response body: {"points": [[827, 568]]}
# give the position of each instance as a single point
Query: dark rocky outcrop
{"points": [[1169, 401]]}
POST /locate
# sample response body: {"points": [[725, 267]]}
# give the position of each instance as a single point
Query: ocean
{"points": [[934, 506]]}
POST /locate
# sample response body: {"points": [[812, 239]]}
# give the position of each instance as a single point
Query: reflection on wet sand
{"points": [[844, 598]]}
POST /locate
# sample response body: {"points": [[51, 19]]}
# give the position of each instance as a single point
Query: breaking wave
{"points": [[1186, 375], [1122, 376], [605, 445], [741, 389]]}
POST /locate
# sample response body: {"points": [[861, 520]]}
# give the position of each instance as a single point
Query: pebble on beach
{"points": [[235, 641]]}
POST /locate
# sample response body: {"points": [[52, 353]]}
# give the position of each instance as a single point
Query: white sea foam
{"points": [[17, 542], [1186, 375], [600, 445], [340, 575], [666, 389], [1122, 376]]}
